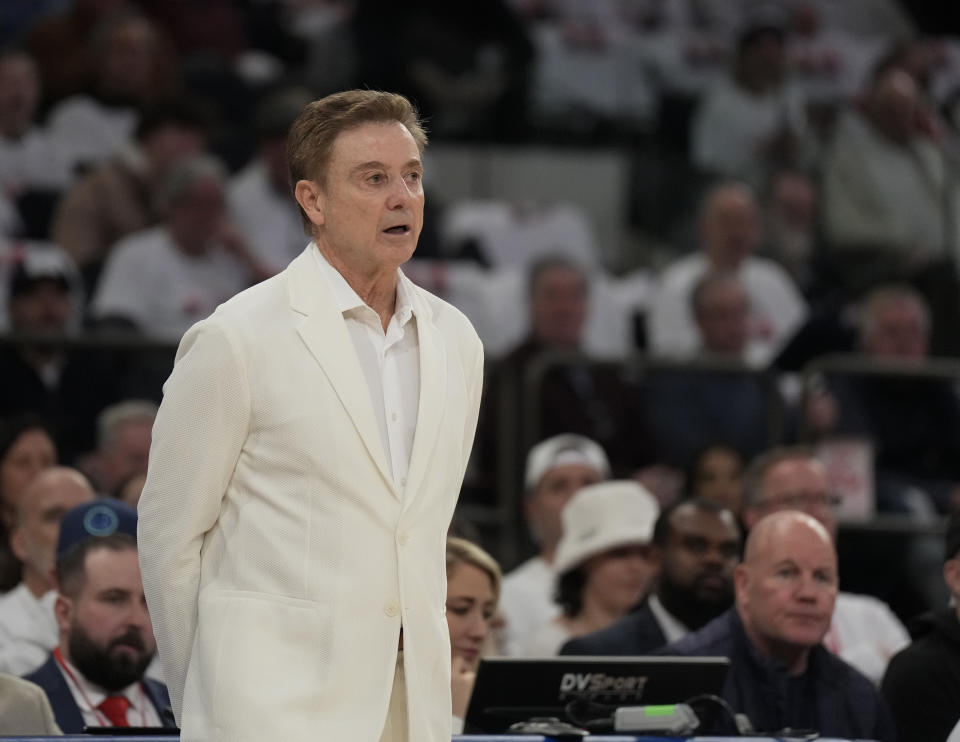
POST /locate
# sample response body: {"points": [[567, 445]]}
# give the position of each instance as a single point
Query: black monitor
{"points": [[508, 690]]}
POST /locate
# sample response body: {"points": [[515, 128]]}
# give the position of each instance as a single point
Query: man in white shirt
{"points": [[259, 196], [556, 469], [306, 462], [864, 631], [730, 230], [163, 279], [28, 630], [95, 675]]}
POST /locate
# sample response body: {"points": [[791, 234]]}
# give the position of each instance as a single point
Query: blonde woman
{"points": [[473, 590]]}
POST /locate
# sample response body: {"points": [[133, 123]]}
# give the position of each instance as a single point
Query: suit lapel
{"points": [[325, 334], [433, 393]]}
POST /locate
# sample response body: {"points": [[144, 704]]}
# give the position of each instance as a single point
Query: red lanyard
{"points": [[101, 719]]}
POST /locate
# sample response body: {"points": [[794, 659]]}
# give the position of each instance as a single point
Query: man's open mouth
{"points": [[399, 229]]}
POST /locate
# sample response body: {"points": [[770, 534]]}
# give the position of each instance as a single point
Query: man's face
{"points": [[797, 484], [52, 495], [554, 491], [730, 228], [31, 453], [899, 330], [169, 144], [722, 318], [45, 307], [698, 560], [19, 94], [371, 202], [196, 216], [787, 592], [128, 454], [109, 634], [558, 307]]}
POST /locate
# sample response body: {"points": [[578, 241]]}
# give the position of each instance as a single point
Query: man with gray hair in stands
{"points": [[162, 280], [556, 468], [123, 444]]}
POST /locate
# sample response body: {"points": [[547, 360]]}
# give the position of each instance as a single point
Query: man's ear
{"points": [[63, 611], [741, 580], [17, 545], [951, 575], [311, 200]]}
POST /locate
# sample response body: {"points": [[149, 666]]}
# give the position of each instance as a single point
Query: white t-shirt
{"points": [[546, 640], [268, 220], [526, 603], [865, 633], [89, 132], [776, 308], [34, 161], [28, 630], [149, 280]]}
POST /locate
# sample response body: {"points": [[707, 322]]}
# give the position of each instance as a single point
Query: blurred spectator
{"points": [[691, 407], [260, 196], [119, 197], [730, 230], [605, 562], [863, 630], [61, 45], [99, 122], [123, 445], [755, 120], [698, 545], [162, 280], [26, 449], [30, 161], [466, 65], [717, 474], [67, 387], [922, 682], [473, 589], [913, 424], [890, 199], [576, 395], [28, 629], [556, 469], [95, 675], [790, 215]]}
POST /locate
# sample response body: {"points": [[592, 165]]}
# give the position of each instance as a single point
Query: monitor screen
{"points": [[508, 690]]}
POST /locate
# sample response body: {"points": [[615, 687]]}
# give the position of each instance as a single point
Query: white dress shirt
{"points": [[526, 602], [141, 713], [391, 365], [672, 628]]}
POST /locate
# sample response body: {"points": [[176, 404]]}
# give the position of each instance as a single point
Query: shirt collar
{"points": [[673, 629], [347, 299]]}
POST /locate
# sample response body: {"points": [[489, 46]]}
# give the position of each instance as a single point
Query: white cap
{"points": [[605, 516], [564, 450]]}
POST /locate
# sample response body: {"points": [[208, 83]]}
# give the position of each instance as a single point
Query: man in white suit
{"points": [[306, 461]]}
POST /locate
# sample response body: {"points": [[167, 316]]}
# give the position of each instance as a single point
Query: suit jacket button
{"points": [[391, 608]]}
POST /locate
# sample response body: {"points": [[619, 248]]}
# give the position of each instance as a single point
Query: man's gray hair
{"points": [[757, 470], [114, 417], [184, 174]]}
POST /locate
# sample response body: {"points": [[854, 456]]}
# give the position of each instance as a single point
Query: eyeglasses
{"points": [[802, 500]]}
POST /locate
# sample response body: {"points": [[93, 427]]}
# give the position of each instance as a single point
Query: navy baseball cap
{"points": [[98, 519]]}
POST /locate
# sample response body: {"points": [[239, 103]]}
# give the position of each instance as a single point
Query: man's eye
{"points": [[376, 178]]}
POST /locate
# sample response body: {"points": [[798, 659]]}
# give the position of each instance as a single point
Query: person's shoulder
{"points": [[11, 685], [46, 675], [841, 674], [147, 243], [716, 638], [442, 311], [635, 633]]}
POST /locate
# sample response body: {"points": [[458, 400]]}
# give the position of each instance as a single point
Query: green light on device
{"points": [[659, 710]]}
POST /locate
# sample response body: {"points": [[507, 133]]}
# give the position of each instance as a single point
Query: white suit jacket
{"points": [[279, 558]]}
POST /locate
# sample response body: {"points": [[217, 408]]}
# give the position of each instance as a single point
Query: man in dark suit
{"points": [[699, 545], [95, 676]]}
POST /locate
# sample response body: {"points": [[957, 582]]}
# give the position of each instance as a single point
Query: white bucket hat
{"points": [[605, 516], [564, 450]]}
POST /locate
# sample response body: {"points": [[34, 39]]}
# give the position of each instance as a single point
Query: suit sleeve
{"points": [[474, 391], [197, 438]]}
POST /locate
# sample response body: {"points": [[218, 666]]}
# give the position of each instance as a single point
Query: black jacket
{"points": [[830, 696], [635, 634], [922, 682]]}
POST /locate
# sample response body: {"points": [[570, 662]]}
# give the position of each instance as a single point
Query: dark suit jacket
{"points": [[65, 709], [635, 634]]}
